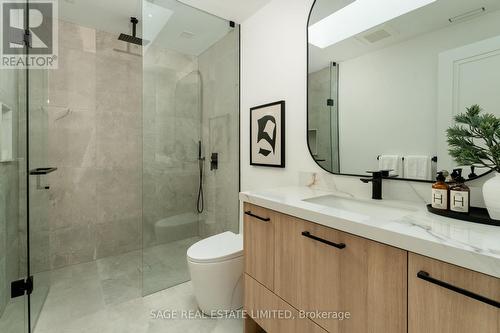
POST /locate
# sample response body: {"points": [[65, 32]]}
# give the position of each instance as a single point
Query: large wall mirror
{"points": [[386, 78]]}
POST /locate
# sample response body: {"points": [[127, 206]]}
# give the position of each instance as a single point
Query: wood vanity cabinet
{"points": [[436, 306], [303, 267], [258, 243], [315, 268]]}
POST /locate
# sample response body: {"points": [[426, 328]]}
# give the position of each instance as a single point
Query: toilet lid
{"points": [[217, 248]]}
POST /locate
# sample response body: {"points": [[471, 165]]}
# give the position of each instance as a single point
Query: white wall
{"points": [[273, 67]]}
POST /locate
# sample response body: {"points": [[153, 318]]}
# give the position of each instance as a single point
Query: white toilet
{"points": [[216, 268]]}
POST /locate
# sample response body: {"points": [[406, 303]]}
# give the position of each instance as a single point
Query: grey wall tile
{"points": [[73, 197], [118, 194], [95, 196], [118, 236], [72, 245]]}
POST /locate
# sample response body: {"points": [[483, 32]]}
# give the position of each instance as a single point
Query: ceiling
{"points": [[186, 30], [423, 20], [169, 23], [235, 10], [105, 15]]}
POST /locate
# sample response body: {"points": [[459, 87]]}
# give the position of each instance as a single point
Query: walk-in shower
{"points": [[128, 125]]}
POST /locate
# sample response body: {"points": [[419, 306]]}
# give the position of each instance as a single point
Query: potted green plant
{"points": [[475, 140]]}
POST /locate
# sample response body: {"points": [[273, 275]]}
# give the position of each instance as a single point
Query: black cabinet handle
{"points": [[265, 219], [427, 277], [308, 235]]}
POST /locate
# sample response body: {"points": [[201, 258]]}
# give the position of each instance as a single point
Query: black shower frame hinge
{"points": [[27, 39], [232, 24], [21, 287]]}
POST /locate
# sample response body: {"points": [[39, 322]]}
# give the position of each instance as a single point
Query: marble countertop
{"points": [[470, 245]]}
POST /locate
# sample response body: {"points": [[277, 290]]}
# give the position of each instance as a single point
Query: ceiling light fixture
{"points": [[357, 17]]}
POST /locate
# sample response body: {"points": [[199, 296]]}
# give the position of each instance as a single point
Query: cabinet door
{"points": [[307, 272], [258, 243], [373, 282], [443, 298], [273, 314], [330, 271]]}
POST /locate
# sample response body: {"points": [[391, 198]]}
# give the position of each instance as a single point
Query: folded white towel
{"points": [[390, 162], [417, 167]]}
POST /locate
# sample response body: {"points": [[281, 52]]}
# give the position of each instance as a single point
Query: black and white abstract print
{"points": [[267, 133]]}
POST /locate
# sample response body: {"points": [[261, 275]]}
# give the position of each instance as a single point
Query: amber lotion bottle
{"points": [[460, 196], [440, 193]]}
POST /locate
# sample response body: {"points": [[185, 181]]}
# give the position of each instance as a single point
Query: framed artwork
{"points": [[267, 135]]}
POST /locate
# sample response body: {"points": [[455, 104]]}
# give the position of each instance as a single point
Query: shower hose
{"points": [[199, 203]]}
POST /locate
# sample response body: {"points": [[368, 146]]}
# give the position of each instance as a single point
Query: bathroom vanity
{"points": [[318, 261]]}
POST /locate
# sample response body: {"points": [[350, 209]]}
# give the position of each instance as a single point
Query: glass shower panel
{"points": [[219, 66], [39, 185], [171, 135], [323, 116], [190, 114], [13, 312]]}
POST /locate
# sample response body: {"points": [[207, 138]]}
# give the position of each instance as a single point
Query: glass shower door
{"points": [[14, 179], [13, 311], [24, 230], [40, 173]]}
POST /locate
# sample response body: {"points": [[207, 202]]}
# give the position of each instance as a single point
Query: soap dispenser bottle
{"points": [[454, 175], [460, 195], [440, 192]]}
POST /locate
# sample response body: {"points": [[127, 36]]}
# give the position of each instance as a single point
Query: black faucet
{"points": [[376, 181]]}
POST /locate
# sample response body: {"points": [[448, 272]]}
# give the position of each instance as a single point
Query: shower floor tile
{"points": [[13, 317], [165, 265], [105, 296]]}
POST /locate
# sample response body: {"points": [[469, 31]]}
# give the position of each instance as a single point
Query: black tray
{"points": [[476, 215]]}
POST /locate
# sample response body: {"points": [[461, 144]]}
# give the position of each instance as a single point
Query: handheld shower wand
{"points": [[201, 160]]}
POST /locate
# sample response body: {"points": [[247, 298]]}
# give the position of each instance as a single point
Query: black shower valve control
{"points": [[214, 161]]}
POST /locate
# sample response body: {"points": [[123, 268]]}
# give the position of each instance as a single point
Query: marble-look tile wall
{"points": [[95, 140], [219, 67], [172, 127], [9, 194]]}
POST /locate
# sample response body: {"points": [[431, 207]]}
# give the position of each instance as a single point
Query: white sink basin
{"points": [[387, 210]]}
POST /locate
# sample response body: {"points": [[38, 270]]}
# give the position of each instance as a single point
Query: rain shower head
{"points": [[133, 39]]}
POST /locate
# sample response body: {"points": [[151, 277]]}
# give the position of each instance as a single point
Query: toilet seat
{"points": [[218, 248]]}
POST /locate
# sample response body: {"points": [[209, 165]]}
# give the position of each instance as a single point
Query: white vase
{"points": [[491, 194]]}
